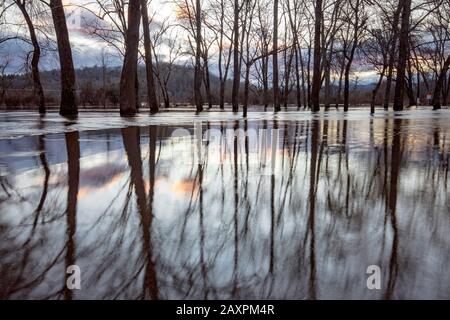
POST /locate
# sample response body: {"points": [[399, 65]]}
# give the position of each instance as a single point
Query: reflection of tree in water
{"points": [[309, 231]]}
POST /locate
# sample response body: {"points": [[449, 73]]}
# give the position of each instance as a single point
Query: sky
{"points": [[88, 49]]}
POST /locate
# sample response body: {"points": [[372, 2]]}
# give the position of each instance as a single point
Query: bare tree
{"points": [[356, 20], [316, 82], [236, 64], [38, 91], [402, 54], [276, 103], [151, 92], [198, 56], [440, 84], [68, 105]]}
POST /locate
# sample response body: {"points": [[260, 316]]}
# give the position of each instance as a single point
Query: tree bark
{"points": [[315, 91], [276, 102], [128, 98], [151, 91], [236, 66], [38, 91], [439, 85], [402, 56], [198, 52], [68, 97], [395, 22]]}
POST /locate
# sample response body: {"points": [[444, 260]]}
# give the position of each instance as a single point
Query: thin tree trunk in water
{"points": [[315, 91], [347, 86], [246, 89], [439, 85], [412, 101], [445, 95], [305, 89], [297, 78], [221, 82], [402, 56], [395, 22], [308, 77], [375, 91], [68, 99], [351, 57], [207, 82], [327, 84], [236, 70], [128, 98], [339, 91], [152, 101], [265, 76], [198, 52], [136, 89], [37, 85], [276, 103], [287, 74]]}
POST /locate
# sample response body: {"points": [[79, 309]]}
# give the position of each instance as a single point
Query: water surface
{"points": [[292, 206]]}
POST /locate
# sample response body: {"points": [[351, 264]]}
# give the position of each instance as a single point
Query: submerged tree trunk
{"points": [[198, 52], [128, 98], [439, 85], [297, 77], [375, 91], [276, 102], [38, 91], [236, 66], [315, 91], [396, 19], [207, 81], [327, 83], [68, 98], [151, 91], [403, 52]]}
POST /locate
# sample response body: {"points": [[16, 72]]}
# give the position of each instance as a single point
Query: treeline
{"points": [[282, 51], [98, 87]]}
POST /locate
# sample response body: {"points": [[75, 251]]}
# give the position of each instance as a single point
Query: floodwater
{"points": [[178, 206]]}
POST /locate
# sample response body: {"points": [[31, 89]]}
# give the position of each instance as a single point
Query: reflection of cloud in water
{"points": [[225, 229]]}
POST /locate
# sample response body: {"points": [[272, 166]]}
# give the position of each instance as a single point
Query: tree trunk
{"points": [[412, 100], [327, 83], [246, 89], [265, 76], [402, 56], [375, 91], [151, 91], [439, 85], [347, 86], [395, 22], [315, 91], [198, 52], [38, 91], [68, 98], [128, 98], [207, 81], [276, 102], [297, 77], [136, 87], [236, 68]]}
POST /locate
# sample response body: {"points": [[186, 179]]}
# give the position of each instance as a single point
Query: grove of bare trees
{"points": [[304, 53]]}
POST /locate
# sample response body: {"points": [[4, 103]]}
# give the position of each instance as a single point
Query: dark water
{"points": [[291, 206]]}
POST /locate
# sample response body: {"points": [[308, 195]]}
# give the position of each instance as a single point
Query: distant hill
{"points": [[180, 84]]}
